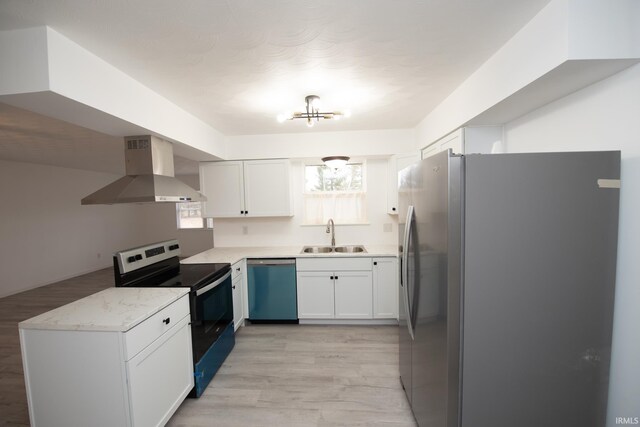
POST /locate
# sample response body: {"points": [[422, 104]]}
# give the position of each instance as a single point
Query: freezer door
{"points": [[540, 263], [430, 299], [405, 333]]}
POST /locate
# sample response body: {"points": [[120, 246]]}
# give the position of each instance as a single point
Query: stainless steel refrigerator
{"points": [[508, 270]]}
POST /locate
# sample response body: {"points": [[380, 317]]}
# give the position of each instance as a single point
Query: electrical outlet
{"points": [[245, 229], [387, 227]]}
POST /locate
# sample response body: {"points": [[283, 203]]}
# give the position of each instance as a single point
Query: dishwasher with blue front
{"points": [[272, 290]]}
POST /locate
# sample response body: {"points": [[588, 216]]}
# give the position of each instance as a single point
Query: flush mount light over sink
{"points": [[313, 114], [335, 162]]}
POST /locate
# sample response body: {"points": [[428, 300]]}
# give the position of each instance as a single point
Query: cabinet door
{"points": [[238, 316], [395, 165], [267, 188], [454, 140], [354, 295], [161, 376], [315, 295], [430, 150], [222, 184], [385, 288]]}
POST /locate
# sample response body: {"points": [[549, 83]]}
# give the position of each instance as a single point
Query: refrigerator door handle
{"points": [[405, 268]]}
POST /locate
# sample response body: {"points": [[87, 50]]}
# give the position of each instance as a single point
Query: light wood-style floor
{"points": [[277, 375]]}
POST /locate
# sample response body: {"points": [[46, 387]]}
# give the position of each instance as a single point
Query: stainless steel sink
{"points": [[338, 249], [317, 249], [350, 249]]}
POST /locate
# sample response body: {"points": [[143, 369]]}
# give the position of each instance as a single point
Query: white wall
{"points": [[604, 116], [290, 231], [47, 236]]}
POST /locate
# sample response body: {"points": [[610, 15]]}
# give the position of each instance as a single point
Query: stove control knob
{"points": [[131, 259], [138, 257], [174, 247]]}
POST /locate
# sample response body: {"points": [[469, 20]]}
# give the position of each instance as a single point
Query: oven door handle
{"points": [[213, 285]]}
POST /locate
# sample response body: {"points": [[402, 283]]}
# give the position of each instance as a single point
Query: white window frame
{"points": [[207, 223], [338, 221]]}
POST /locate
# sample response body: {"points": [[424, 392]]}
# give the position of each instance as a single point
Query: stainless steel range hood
{"points": [[150, 176]]}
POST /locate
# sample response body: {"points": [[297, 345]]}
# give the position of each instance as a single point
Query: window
{"points": [[189, 216], [338, 194]]}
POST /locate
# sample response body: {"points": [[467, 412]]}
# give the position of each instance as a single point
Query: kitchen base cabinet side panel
{"points": [[354, 295], [315, 295], [62, 369], [236, 287], [166, 357]]}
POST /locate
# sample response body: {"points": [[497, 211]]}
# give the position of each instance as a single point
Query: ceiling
{"points": [[236, 64]]}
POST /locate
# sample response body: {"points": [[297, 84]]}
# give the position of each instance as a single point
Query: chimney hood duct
{"points": [[150, 176]]}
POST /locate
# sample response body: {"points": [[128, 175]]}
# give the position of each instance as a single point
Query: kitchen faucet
{"points": [[331, 228]]}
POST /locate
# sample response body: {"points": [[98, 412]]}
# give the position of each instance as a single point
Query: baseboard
{"points": [[370, 322]]}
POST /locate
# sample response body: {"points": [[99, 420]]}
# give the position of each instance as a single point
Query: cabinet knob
{"points": [[393, 209], [331, 277], [336, 277], [246, 212], [166, 321], [233, 287], [238, 269], [241, 212], [375, 263]]}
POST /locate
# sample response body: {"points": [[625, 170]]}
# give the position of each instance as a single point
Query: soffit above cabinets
{"points": [[33, 138], [236, 65]]}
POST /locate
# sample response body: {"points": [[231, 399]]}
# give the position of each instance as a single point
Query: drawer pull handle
{"points": [[166, 321]]}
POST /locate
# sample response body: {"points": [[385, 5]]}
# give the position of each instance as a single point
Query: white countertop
{"points": [[235, 254], [114, 309]]}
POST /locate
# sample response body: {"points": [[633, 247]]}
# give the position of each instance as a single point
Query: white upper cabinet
{"points": [[468, 140], [396, 164], [267, 190], [251, 188], [223, 185]]}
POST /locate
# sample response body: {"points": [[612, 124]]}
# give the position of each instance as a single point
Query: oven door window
{"points": [[213, 313]]}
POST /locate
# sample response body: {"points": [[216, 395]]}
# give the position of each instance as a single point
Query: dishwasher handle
{"points": [[272, 261]]}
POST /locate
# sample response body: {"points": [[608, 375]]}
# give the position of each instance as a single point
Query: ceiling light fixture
{"points": [[335, 162], [312, 113]]}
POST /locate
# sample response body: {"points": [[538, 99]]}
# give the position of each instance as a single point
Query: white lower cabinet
{"points": [[385, 288], [315, 295], [347, 288], [159, 375], [238, 291], [354, 299], [135, 378]]}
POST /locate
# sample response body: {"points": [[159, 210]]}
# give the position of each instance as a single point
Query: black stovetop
{"points": [[171, 274], [196, 275]]}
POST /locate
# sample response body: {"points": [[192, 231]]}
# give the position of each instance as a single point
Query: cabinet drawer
{"points": [[236, 270], [151, 329], [334, 264]]}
